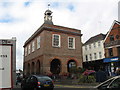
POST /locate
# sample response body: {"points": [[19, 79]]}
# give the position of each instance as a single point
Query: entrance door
{"points": [[55, 66]]}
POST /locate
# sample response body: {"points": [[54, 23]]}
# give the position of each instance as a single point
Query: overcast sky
{"points": [[21, 18]]}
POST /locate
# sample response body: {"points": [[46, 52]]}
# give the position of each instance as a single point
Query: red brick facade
{"points": [[115, 32], [40, 61]]}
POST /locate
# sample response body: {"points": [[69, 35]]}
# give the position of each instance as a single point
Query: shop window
{"points": [[110, 52]]}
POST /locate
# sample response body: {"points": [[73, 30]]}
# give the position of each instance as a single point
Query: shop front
{"points": [[94, 65], [112, 64]]}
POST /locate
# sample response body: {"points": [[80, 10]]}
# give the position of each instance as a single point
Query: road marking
{"points": [[71, 86]]}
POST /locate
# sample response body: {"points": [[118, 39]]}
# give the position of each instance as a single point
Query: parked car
{"points": [[110, 84], [37, 82]]}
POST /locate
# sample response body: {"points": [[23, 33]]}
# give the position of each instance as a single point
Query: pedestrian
{"points": [[117, 72], [100, 76]]}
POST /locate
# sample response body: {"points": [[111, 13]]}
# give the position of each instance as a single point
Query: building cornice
{"points": [[54, 28]]}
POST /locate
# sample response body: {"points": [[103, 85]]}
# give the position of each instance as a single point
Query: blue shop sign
{"points": [[114, 59]]}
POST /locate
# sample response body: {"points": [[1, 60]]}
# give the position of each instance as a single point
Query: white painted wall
{"points": [[93, 50]]}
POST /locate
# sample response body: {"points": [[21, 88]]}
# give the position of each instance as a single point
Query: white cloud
{"points": [[90, 16]]}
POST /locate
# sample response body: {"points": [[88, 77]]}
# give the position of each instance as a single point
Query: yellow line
{"points": [[70, 86]]}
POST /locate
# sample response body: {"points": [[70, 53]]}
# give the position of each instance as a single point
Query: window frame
{"points": [[89, 46], [59, 44], [86, 47], [95, 56], [99, 43], [86, 58], [90, 57], [73, 43], [26, 51], [112, 38], [100, 55], [110, 51], [29, 48], [94, 44], [33, 46], [38, 42]]}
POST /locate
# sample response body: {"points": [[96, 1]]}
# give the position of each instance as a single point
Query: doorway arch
{"points": [[38, 67], [28, 71], [33, 68], [55, 66], [71, 64]]}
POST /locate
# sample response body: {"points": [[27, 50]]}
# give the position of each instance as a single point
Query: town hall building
{"points": [[52, 49]]}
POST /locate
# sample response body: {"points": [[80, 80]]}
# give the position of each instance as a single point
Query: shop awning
{"points": [[113, 59]]}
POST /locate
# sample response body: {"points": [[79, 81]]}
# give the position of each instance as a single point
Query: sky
{"points": [[21, 18]]}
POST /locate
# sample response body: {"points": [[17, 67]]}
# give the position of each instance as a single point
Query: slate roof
{"points": [[95, 39]]}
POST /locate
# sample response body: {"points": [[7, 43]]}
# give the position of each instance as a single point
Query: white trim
{"points": [[33, 46], [113, 46], [73, 42], [29, 49], [38, 42], [26, 51], [53, 40]]}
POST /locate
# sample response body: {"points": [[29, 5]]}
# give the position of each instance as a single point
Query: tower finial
{"points": [[48, 5], [48, 16]]}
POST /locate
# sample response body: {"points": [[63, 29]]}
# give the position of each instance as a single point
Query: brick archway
{"points": [[28, 69], [55, 66], [32, 68], [71, 64], [38, 67]]}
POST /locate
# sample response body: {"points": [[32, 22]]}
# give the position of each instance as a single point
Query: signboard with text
{"points": [[5, 66]]}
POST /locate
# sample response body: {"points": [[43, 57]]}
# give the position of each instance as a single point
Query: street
{"points": [[66, 86]]}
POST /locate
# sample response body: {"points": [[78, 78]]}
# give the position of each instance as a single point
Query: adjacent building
{"points": [[93, 52], [112, 48], [7, 63], [119, 11], [52, 49]]}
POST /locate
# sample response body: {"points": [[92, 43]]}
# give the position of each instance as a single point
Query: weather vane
{"points": [[48, 5]]}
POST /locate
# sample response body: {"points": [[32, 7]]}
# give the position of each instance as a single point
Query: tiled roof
{"points": [[95, 39]]}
